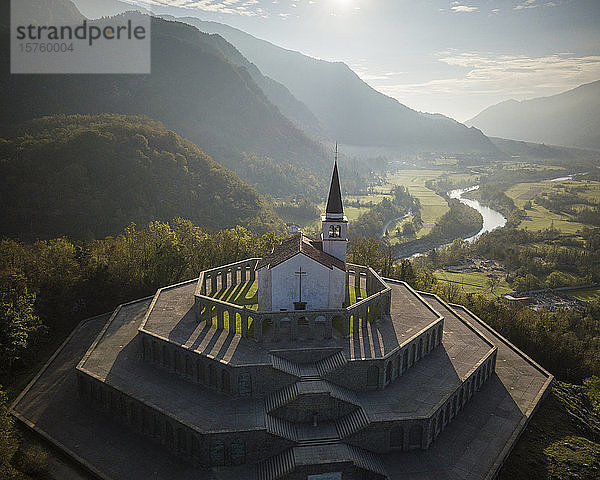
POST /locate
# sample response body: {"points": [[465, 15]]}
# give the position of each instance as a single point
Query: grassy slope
{"points": [[560, 442], [473, 282]]}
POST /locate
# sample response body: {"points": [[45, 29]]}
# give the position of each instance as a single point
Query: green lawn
{"points": [[246, 294], [473, 282]]}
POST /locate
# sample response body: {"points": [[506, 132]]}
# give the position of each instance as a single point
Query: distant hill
{"points": [[193, 89], [575, 160], [571, 118], [349, 109], [90, 176]]}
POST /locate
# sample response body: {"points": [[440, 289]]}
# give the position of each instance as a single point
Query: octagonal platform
{"points": [[470, 441]]}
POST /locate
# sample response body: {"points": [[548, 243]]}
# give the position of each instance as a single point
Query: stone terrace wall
{"points": [[419, 433], [206, 449], [250, 380], [288, 324], [376, 374]]}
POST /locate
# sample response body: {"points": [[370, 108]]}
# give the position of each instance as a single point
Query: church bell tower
{"points": [[334, 233]]}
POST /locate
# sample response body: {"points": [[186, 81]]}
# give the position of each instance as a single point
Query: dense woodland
{"points": [[88, 177]]}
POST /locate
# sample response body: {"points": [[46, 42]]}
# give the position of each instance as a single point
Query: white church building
{"points": [[303, 274]]}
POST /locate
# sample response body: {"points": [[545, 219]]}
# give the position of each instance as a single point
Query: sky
{"points": [[438, 56]]}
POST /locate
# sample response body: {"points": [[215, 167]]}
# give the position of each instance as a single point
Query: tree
{"points": [[8, 439], [18, 320]]}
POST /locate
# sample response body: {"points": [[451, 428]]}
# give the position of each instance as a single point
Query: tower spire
{"points": [[335, 208]]}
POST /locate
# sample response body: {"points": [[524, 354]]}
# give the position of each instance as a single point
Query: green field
{"points": [[432, 205], [473, 282], [538, 217], [584, 293]]}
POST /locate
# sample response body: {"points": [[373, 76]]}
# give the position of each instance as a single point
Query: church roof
{"points": [[300, 244], [334, 202]]}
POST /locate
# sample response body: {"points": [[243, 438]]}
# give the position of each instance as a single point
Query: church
{"points": [[304, 274], [266, 369]]}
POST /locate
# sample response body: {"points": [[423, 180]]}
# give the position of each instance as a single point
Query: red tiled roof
{"points": [[300, 244]]}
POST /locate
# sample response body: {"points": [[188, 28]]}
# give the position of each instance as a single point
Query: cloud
{"points": [[509, 75], [237, 7], [486, 79], [528, 4], [462, 8]]}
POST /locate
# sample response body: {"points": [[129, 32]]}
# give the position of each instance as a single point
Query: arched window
{"points": [[414, 436], [331, 231], [373, 376], [396, 438], [338, 231], [244, 384], [225, 381]]}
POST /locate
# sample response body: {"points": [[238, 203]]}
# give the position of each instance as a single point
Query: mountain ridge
{"points": [[570, 118], [349, 109], [193, 89]]}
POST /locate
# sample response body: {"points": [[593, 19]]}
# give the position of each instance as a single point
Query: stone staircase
{"points": [[281, 397], [309, 371], [351, 423], [367, 460], [281, 428], [276, 466], [285, 365], [331, 363]]}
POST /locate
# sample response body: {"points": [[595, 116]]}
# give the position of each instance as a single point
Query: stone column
{"points": [[232, 321], [244, 325], [294, 327], [213, 283], [220, 318]]}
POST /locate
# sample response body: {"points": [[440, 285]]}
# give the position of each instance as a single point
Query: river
{"points": [[491, 218]]}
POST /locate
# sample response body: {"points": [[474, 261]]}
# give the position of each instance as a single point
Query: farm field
{"points": [[432, 205], [540, 218], [473, 282]]}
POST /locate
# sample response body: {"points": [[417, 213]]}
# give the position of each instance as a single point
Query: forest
{"points": [[88, 177]]}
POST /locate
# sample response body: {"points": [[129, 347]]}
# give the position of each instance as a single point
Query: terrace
{"points": [[230, 292]]}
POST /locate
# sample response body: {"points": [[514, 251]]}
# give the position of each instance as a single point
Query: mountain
{"points": [[90, 176], [572, 159], [276, 92], [571, 118], [193, 89], [349, 109]]}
